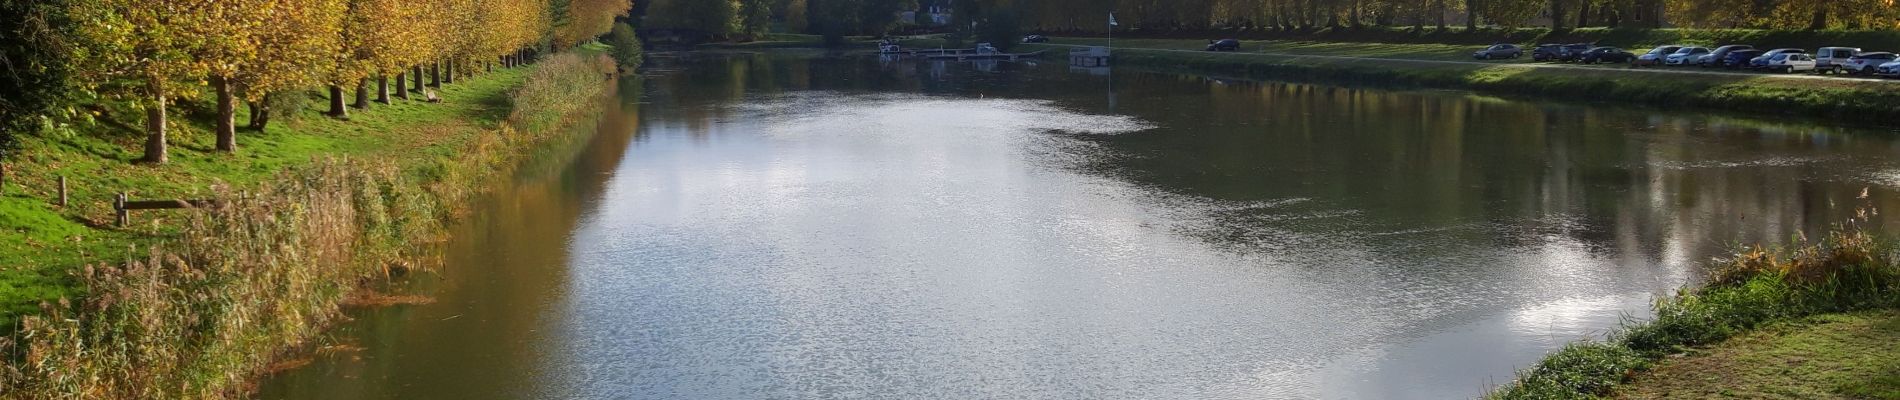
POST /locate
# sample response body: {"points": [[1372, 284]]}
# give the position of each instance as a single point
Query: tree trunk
{"points": [[1648, 12], [1819, 21], [227, 114], [402, 86], [1583, 15], [416, 72], [155, 124], [1471, 14], [1332, 14], [435, 74], [337, 107], [1557, 14], [1418, 18], [254, 111], [362, 93], [1358, 20], [260, 112], [382, 89], [448, 71], [1438, 7]]}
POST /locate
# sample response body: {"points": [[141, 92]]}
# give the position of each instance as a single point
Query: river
{"points": [[801, 225]]}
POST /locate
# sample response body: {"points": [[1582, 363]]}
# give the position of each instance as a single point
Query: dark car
{"points": [[1720, 55], [1739, 59], [1573, 52], [1223, 45], [1035, 39], [1546, 52], [1606, 55], [1499, 51], [1761, 61]]}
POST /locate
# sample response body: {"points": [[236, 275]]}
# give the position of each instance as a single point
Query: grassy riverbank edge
{"points": [[1763, 94], [1846, 271], [222, 292]]}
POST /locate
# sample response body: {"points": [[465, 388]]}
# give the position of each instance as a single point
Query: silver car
{"points": [[1868, 63], [1655, 56], [1685, 56]]}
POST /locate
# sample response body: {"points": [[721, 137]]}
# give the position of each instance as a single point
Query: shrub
{"points": [[626, 45]]}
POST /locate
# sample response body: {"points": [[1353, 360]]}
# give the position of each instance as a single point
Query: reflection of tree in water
{"points": [[1630, 184], [1635, 185]]}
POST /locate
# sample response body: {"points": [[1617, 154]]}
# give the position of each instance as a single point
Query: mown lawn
{"points": [[45, 241], [1836, 356]]}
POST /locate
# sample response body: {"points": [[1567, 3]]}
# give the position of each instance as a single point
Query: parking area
{"points": [[1439, 53]]}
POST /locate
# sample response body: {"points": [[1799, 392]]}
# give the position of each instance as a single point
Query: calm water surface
{"points": [[793, 225]]}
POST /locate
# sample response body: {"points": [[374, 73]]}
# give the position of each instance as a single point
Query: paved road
{"points": [[1652, 70]]}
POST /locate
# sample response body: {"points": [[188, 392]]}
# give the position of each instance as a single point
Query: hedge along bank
{"points": [[210, 308], [1856, 100]]}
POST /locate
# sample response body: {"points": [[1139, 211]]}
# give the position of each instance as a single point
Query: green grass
{"points": [[46, 241], [1833, 356]]}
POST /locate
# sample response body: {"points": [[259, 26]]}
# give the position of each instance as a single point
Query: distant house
{"points": [[937, 10]]}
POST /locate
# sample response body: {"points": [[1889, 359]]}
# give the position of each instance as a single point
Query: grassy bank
{"points": [[1846, 271], [1834, 356], [1766, 94], [213, 295]]}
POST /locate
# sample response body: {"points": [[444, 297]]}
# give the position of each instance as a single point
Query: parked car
{"points": [[1761, 62], [1035, 39], [1868, 63], [1740, 58], [1499, 51], [1790, 62], [1655, 56], [1570, 52], [1606, 54], [1890, 69], [1546, 52], [1715, 58], [1223, 45], [1685, 56], [1834, 59]]}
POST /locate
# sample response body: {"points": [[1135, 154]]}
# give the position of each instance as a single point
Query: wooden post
{"points": [[62, 191], [118, 206]]}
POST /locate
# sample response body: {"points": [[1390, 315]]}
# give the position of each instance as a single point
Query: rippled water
{"points": [[794, 225]]}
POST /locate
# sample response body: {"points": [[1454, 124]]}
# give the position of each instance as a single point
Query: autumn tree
{"points": [[142, 49], [578, 21]]}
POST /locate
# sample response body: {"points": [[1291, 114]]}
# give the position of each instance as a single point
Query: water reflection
{"points": [[805, 225]]}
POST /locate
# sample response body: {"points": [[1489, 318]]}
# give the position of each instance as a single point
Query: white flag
{"points": [[1111, 20]]}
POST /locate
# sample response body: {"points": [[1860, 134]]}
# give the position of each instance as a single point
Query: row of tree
{"points": [[145, 54], [722, 18]]}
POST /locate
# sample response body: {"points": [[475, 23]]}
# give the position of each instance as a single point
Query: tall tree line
{"points": [[146, 55]]}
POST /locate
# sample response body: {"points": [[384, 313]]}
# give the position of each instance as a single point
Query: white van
{"points": [[1834, 59]]}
